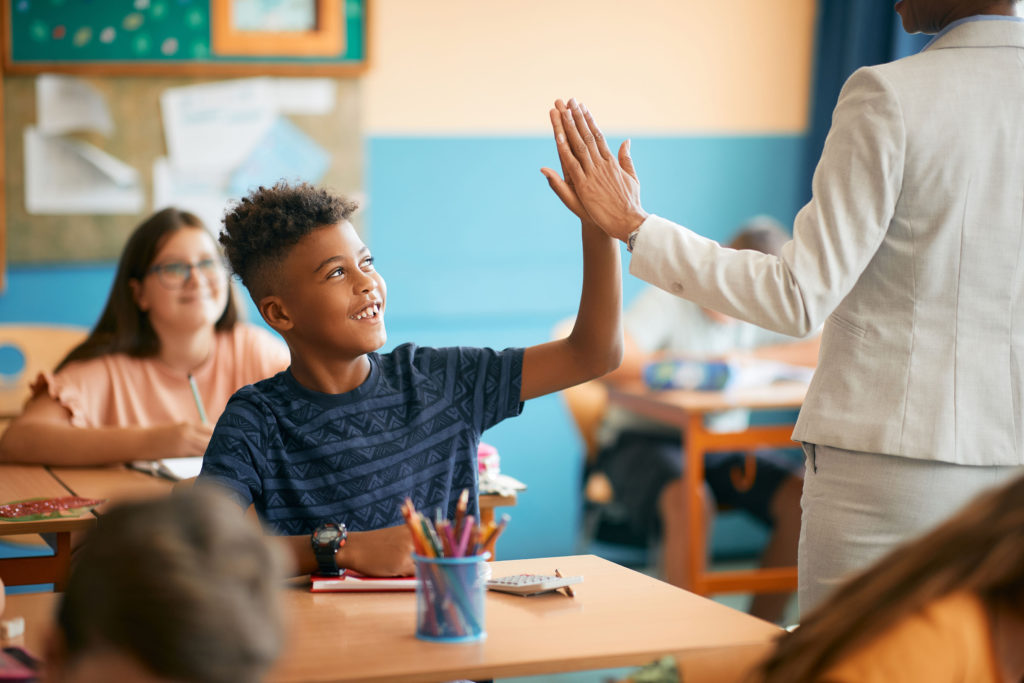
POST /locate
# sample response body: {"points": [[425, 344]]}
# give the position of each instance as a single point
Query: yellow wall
{"points": [[452, 67]]}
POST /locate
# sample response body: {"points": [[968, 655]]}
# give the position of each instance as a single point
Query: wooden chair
{"points": [[25, 351]]}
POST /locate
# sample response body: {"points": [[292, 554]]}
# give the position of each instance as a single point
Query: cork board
{"points": [[138, 140]]}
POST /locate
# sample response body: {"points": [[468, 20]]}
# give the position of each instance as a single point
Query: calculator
{"points": [[531, 584]]}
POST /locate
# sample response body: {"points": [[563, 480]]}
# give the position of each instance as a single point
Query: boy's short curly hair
{"points": [[260, 229]]}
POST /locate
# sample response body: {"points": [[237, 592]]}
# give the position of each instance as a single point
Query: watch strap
{"points": [[325, 552], [631, 240]]}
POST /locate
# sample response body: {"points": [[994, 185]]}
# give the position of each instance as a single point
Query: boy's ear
{"points": [[274, 313]]}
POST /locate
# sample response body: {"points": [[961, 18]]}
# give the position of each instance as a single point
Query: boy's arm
{"points": [[382, 552], [594, 346]]}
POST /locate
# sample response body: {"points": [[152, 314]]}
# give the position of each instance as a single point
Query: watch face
{"points": [[328, 535]]}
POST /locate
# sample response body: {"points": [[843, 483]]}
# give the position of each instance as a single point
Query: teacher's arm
{"points": [[855, 188]]}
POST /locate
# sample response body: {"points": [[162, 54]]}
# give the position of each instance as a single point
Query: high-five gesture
{"points": [[606, 188]]}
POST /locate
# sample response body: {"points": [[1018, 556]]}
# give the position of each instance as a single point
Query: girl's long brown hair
{"points": [[122, 327], [980, 550]]}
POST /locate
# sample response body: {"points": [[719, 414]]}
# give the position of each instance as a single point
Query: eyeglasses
{"points": [[175, 274]]}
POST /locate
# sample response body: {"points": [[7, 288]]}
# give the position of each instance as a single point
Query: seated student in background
{"points": [[346, 433], [123, 394], [641, 458], [947, 607], [180, 588]]}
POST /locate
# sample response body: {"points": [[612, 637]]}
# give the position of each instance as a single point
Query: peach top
{"points": [[948, 640], [117, 390]]}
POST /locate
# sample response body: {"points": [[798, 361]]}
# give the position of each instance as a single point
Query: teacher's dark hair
{"points": [[185, 585], [980, 550], [122, 327]]}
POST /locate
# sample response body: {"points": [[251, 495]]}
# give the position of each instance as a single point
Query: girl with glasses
{"points": [[170, 325]]}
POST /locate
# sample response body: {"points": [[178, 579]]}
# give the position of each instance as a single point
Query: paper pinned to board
{"points": [[65, 104], [217, 125], [69, 176], [285, 152], [200, 191], [310, 96]]}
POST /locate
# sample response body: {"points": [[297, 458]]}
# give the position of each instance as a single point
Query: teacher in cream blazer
{"points": [[911, 252]]}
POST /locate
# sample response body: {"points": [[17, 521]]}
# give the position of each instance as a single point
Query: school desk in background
{"points": [[687, 410]]}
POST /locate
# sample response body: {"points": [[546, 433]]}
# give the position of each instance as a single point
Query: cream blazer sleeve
{"points": [[855, 188], [911, 252]]}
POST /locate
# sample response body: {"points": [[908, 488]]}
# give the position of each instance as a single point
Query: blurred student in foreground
{"points": [[124, 393], [946, 607], [181, 588]]}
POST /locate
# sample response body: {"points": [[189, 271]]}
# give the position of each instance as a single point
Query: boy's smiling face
{"points": [[330, 297]]}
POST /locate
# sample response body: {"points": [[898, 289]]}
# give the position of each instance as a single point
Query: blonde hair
{"points": [[980, 550]]}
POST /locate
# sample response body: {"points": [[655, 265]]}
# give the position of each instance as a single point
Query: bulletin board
{"points": [[183, 37], [138, 140]]}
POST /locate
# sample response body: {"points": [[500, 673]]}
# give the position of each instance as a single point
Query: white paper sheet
{"points": [[284, 153], [216, 125], [314, 96], [172, 468], [203, 192], [66, 104], [68, 176]]}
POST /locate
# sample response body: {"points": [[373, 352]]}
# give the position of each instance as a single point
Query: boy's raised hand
{"points": [[563, 187]]}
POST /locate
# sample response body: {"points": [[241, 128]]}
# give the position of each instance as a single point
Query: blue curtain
{"points": [[849, 34]]}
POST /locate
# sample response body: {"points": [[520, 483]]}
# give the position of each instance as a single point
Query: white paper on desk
{"points": [[216, 125], [69, 176], [172, 468], [66, 104], [500, 484], [314, 96], [200, 191], [755, 372]]}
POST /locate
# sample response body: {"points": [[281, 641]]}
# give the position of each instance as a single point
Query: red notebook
{"points": [[354, 581]]}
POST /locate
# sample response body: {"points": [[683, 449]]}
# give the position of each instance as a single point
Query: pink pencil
{"points": [[467, 525]]}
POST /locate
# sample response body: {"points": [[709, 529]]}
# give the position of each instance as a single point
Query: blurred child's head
{"points": [[760, 233], [306, 268], [182, 588], [979, 550]]}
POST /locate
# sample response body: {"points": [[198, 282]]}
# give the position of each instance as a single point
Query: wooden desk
{"points": [[489, 501], [687, 410], [119, 484], [18, 482], [618, 618], [116, 483]]}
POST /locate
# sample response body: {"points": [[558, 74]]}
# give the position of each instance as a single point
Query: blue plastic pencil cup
{"points": [[450, 598]]}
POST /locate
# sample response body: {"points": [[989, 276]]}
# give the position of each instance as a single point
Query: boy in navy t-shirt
{"points": [[345, 434]]}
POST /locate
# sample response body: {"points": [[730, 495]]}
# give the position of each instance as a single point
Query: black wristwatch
{"points": [[327, 540]]}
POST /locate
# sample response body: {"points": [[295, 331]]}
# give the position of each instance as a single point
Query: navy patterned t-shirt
{"points": [[411, 429]]}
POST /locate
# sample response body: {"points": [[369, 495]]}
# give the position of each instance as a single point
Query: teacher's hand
{"points": [[607, 188]]}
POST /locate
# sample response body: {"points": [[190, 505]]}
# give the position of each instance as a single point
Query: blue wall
{"points": [[476, 250]]}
